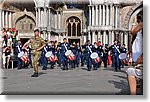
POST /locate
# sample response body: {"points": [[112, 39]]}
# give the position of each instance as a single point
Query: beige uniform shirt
{"points": [[36, 43]]}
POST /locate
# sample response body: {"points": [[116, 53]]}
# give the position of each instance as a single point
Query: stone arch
{"points": [[73, 25], [21, 14], [23, 17], [25, 24], [67, 17], [19, 5], [131, 13]]}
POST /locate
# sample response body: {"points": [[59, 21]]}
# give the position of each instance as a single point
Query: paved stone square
{"points": [[57, 81]]}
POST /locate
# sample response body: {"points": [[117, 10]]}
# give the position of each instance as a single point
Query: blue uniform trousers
{"points": [[116, 62], [43, 61], [83, 59], [64, 61], [19, 62], [78, 57], [88, 61], [59, 59]]}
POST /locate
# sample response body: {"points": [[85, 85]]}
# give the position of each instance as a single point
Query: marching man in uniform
{"points": [[18, 50], [115, 48], [43, 58], [37, 43], [64, 47], [88, 52]]}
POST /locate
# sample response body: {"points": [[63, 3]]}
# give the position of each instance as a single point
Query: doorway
{"points": [[24, 40], [74, 40]]}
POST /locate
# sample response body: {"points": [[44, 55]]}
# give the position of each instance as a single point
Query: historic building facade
{"points": [[77, 20]]}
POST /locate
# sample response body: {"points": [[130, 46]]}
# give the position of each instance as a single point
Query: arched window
{"points": [[74, 26], [31, 27], [78, 29], [74, 29], [69, 29], [22, 26]]}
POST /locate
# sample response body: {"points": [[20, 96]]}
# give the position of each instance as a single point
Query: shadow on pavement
{"points": [[120, 76], [84, 69], [41, 73], [120, 85]]}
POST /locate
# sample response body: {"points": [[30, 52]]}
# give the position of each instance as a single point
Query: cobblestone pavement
{"points": [[73, 81]]}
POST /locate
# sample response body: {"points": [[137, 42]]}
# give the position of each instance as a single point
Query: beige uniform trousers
{"points": [[35, 58]]}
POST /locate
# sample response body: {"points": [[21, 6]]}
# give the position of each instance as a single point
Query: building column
{"points": [[99, 36], [122, 39], [93, 16], [62, 19], [46, 35], [6, 19], [93, 37], [42, 18], [10, 19], [104, 15], [45, 17], [119, 18], [96, 36], [100, 15], [111, 15], [112, 37], [39, 17], [36, 11], [84, 40], [104, 37], [89, 15], [89, 36], [107, 15], [117, 35], [126, 38], [76, 29], [59, 20], [49, 36], [3, 18], [47, 13], [0, 20], [49, 17], [96, 19], [116, 16], [56, 20]]}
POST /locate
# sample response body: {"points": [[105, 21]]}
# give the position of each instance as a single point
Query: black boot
{"points": [[44, 68], [52, 67], [66, 67], [89, 69], [116, 70], [63, 68], [34, 75], [82, 65]]}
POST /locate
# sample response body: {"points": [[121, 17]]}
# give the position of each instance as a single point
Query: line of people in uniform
{"points": [[82, 55]]}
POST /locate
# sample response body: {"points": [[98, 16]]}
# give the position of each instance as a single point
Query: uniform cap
{"points": [[36, 30]]}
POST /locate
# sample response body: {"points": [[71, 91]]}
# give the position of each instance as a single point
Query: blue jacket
{"points": [[123, 50], [63, 49], [87, 50], [45, 49], [18, 49], [114, 49]]}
